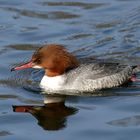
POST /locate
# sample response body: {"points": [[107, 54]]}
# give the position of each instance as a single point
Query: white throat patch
{"points": [[37, 67]]}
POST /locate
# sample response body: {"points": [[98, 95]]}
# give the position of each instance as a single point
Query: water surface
{"points": [[90, 28]]}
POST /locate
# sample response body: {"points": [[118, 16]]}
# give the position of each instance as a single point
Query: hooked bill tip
{"points": [[12, 69]]}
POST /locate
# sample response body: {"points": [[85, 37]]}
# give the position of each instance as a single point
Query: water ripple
{"points": [[126, 122], [83, 5], [41, 14], [5, 133]]}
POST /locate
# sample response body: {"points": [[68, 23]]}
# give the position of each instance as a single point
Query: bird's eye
{"points": [[37, 61]]}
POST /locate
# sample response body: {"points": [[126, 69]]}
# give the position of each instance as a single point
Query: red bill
{"points": [[23, 66]]}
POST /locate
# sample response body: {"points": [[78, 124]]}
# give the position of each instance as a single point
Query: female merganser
{"points": [[63, 72]]}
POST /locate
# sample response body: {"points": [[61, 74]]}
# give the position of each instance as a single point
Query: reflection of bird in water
{"points": [[51, 116]]}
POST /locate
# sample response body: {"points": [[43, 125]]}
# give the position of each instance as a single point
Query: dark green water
{"points": [[104, 29]]}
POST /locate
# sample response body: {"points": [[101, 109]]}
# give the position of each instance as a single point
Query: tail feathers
{"points": [[136, 69]]}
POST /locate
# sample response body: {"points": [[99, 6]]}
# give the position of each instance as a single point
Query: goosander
{"points": [[63, 72]]}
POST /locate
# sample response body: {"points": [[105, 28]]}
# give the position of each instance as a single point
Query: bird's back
{"points": [[95, 76]]}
